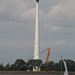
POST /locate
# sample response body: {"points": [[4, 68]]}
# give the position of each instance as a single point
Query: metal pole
{"points": [[61, 65]]}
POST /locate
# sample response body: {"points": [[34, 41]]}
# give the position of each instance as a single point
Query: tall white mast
{"points": [[36, 47]]}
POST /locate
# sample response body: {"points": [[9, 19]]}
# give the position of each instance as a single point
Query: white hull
{"points": [[66, 70]]}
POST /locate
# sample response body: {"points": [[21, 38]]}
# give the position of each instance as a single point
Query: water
{"points": [[33, 73], [29, 73]]}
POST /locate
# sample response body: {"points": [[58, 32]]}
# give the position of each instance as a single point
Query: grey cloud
{"points": [[14, 10], [17, 22]]}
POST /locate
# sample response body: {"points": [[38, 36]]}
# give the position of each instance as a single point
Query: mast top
{"points": [[37, 1]]}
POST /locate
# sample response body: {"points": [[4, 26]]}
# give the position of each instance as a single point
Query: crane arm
{"points": [[48, 55]]}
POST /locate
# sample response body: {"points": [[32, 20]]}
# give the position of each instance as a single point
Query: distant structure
{"points": [[36, 46]]}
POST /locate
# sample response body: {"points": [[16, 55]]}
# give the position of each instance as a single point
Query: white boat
{"points": [[66, 70]]}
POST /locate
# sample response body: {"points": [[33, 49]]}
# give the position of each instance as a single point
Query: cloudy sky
{"points": [[17, 26]]}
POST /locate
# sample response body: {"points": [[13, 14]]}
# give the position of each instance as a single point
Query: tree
{"points": [[12, 67], [48, 66], [70, 65], [32, 63], [35, 62], [60, 64], [1, 67], [19, 65], [7, 67], [51, 65]]}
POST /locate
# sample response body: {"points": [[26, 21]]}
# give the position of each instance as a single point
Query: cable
{"points": [[37, 54]]}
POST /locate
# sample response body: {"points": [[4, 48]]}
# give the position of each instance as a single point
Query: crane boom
{"points": [[48, 55]]}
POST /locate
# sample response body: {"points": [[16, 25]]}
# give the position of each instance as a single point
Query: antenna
{"points": [[61, 64]]}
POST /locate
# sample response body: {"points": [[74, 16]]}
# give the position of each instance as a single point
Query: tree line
{"points": [[21, 65]]}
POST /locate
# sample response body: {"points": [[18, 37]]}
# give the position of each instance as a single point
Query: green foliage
{"points": [[32, 63], [1, 66], [21, 65], [18, 65], [70, 65], [7, 67], [35, 62], [50, 66]]}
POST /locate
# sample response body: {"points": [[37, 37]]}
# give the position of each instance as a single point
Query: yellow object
{"points": [[36, 68]]}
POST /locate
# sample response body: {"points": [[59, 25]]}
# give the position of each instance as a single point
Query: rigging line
{"points": [[37, 54]]}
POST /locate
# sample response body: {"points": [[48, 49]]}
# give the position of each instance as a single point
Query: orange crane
{"points": [[48, 58], [48, 55], [46, 61]]}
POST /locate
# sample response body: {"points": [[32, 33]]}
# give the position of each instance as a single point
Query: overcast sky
{"points": [[17, 27]]}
